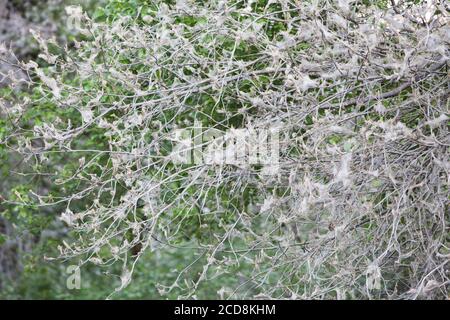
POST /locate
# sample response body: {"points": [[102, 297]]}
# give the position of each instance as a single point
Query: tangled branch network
{"points": [[357, 206]]}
